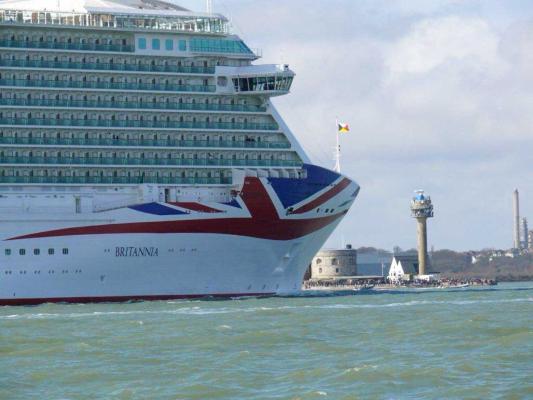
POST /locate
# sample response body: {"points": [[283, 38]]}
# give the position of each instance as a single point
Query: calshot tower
{"points": [[422, 209]]}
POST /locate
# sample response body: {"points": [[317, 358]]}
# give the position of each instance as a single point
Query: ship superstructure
{"points": [[137, 140]]}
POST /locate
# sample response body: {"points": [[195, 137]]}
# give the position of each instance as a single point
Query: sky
{"points": [[438, 95]]}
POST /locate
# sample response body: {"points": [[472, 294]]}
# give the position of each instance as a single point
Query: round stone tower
{"points": [[334, 263]]}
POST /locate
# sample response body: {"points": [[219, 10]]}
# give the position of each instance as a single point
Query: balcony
{"points": [[67, 46], [96, 180], [107, 85], [106, 66], [250, 126], [155, 162], [146, 143], [131, 105]]}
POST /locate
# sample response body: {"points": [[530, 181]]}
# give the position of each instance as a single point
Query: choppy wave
{"points": [[388, 346], [200, 311]]}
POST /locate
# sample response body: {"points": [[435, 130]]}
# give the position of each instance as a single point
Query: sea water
{"points": [[433, 344]]}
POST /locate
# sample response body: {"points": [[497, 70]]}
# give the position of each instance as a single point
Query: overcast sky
{"points": [[438, 94]]}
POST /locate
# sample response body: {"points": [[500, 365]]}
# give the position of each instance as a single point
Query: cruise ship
{"points": [[141, 158]]}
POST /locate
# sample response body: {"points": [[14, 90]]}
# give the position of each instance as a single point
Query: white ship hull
{"points": [[241, 251], [210, 265]]}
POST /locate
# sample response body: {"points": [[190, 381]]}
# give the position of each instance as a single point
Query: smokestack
{"points": [[525, 231], [516, 210]]}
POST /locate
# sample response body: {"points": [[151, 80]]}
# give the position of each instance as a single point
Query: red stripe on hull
{"points": [[121, 299], [324, 197], [264, 222], [273, 230], [258, 201]]}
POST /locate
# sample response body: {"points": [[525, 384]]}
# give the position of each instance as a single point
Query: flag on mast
{"points": [[343, 127]]}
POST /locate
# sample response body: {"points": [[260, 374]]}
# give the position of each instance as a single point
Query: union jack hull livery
{"points": [[260, 244]]}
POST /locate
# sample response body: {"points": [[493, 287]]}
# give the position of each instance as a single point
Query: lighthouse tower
{"points": [[422, 209]]}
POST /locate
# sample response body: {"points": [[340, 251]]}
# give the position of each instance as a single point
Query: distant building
{"points": [[371, 261], [329, 264], [525, 234], [403, 268], [474, 257], [530, 240]]}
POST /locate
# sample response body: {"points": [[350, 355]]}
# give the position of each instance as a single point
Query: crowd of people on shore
{"points": [[341, 283], [350, 284]]}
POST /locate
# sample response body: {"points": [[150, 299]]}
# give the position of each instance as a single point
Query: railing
{"points": [[67, 46], [131, 105], [248, 144], [222, 46], [150, 20], [113, 180], [138, 124], [107, 66], [107, 85], [146, 161]]}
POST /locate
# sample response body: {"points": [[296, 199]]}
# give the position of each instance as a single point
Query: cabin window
{"points": [[142, 43]]}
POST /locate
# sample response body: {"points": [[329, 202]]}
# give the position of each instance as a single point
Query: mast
{"points": [[337, 150]]}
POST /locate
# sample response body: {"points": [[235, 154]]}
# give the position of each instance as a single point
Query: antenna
{"points": [[209, 6]]}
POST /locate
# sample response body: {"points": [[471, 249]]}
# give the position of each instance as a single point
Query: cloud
{"points": [[445, 42], [438, 94]]}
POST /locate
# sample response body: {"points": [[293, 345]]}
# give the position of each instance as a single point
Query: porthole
{"points": [[65, 251], [7, 252], [36, 252], [50, 251], [22, 252]]}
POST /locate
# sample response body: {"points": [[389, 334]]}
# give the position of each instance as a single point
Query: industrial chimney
{"points": [[525, 233], [516, 211]]}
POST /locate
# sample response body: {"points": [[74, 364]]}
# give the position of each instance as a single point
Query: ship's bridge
{"points": [[269, 79]]}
